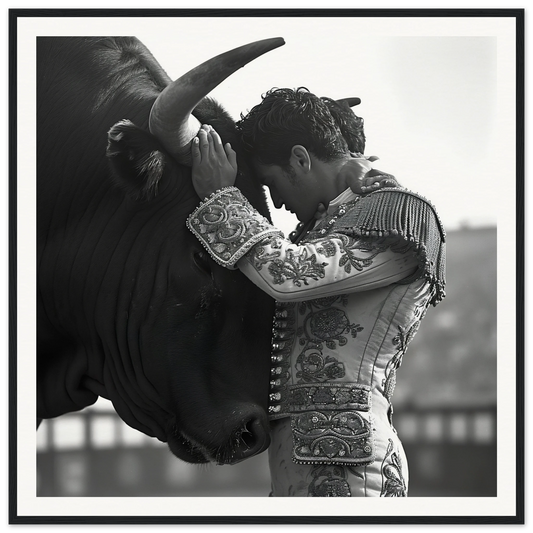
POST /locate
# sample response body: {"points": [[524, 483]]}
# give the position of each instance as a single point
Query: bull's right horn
{"points": [[171, 120]]}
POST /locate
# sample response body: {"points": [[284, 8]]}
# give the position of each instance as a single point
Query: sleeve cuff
{"points": [[228, 226]]}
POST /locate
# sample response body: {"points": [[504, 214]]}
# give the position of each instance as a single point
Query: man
{"points": [[351, 293]]}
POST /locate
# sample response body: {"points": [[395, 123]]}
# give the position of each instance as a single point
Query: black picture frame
{"points": [[519, 520]]}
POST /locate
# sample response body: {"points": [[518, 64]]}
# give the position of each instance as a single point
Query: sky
{"points": [[437, 93], [430, 99]]}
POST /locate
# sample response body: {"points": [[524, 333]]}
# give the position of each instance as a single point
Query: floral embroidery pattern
{"points": [[334, 437], [311, 367], [329, 324], [327, 248], [297, 267], [261, 257], [389, 383], [347, 248], [324, 326], [393, 482], [330, 420], [228, 226], [332, 481], [329, 482], [401, 341]]}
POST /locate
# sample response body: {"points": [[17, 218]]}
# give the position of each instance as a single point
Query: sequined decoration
{"points": [[283, 336], [332, 438], [401, 341], [331, 424], [329, 482], [297, 267], [406, 216], [228, 226], [393, 485], [325, 326]]}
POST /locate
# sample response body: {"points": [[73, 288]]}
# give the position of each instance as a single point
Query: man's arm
{"points": [[325, 267], [237, 236]]}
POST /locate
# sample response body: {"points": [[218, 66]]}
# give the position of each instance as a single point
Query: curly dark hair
{"points": [[351, 126], [286, 117]]}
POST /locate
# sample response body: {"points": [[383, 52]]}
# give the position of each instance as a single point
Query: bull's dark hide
{"points": [[129, 306]]}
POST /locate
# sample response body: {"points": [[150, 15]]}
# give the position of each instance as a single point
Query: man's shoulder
{"points": [[401, 218], [393, 192], [391, 211]]}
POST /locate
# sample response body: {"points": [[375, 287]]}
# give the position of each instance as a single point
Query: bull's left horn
{"points": [[351, 102], [171, 119]]}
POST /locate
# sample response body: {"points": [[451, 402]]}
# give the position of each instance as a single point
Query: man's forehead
{"points": [[265, 173]]}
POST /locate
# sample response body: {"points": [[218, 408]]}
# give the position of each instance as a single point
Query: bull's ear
{"points": [[137, 159]]}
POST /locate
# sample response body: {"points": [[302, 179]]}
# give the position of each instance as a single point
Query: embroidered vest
{"points": [[334, 359]]}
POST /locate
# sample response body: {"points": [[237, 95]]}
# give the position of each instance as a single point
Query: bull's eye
{"points": [[202, 261]]}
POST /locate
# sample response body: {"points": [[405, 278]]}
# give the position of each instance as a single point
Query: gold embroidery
{"points": [[228, 226]]}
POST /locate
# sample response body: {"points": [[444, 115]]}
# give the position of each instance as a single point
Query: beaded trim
{"points": [[282, 340], [330, 397], [228, 226], [401, 213]]}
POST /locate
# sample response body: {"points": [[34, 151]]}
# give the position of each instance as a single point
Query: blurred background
{"points": [[435, 115], [444, 411]]}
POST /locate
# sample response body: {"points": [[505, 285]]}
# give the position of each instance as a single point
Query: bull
{"points": [[129, 306]]}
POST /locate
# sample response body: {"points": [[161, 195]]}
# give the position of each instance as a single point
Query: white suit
{"points": [[350, 297]]}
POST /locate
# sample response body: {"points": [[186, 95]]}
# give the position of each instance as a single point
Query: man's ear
{"points": [[300, 159]]}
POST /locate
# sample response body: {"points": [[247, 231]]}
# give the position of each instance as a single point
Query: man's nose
{"points": [[276, 199]]}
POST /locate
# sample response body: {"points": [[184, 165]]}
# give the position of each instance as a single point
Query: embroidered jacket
{"points": [[350, 299]]}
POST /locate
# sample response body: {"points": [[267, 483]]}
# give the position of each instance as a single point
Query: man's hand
{"points": [[358, 174], [214, 166], [373, 180]]}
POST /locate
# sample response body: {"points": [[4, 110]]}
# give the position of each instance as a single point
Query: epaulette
{"points": [[410, 217]]}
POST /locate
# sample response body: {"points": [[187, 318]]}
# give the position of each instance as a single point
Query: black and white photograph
{"points": [[261, 256]]}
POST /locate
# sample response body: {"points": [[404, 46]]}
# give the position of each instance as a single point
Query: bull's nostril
{"points": [[248, 436], [253, 439]]}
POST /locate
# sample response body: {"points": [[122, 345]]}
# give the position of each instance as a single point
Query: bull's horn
{"points": [[170, 118], [351, 102]]}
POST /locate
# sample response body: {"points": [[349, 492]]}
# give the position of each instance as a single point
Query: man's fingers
{"points": [[370, 188], [210, 140], [320, 211], [223, 150], [217, 142], [231, 154], [203, 142], [371, 180], [195, 151]]}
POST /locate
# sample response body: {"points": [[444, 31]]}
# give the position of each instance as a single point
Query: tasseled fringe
{"points": [[397, 212]]}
